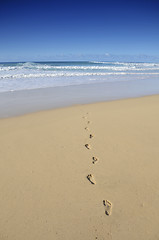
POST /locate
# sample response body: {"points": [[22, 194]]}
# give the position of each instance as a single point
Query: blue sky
{"points": [[79, 30]]}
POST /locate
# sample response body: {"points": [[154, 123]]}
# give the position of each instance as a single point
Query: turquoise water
{"points": [[36, 75]]}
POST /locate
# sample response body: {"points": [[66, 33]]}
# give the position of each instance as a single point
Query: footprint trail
{"points": [[107, 204]]}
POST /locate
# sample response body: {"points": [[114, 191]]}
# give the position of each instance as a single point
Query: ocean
{"points": [[35, 86], [36, 75]]}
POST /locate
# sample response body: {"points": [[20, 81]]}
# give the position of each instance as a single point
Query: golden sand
{"points": [[51, 188]]}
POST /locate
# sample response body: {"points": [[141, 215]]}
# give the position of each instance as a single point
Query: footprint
{"points": [[87, 146], [108, 207], [91, 136], [86, 128], [88, 122], [91, 179], [95, 160]]}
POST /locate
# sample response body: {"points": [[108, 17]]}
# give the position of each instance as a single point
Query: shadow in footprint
{"points": [[108, 207], [87, 146], [91, 179], [95, 160]]}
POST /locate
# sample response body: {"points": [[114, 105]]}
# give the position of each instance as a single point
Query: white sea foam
{"points": [[113, 68], [109, 66], [29, 75], [17, 76]]}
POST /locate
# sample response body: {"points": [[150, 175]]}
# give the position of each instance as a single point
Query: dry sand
{"points": [[85, 172]]}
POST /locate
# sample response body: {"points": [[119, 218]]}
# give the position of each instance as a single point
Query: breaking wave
{"points": [[32, 75]]}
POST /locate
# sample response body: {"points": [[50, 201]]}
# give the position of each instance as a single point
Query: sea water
{"points": [[36, 75], [35, 86]]}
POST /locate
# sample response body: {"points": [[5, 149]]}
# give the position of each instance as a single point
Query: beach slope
{"points": [[83, 172]]}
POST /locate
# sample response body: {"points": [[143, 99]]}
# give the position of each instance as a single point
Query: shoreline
{"points": [[82, 172], [65, 107], [28, 101]]}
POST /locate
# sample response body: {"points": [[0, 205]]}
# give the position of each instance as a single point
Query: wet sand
{"points": [[16, 103], [82, 172]]}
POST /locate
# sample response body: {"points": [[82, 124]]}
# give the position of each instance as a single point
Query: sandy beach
{"points": [[82, 172]]}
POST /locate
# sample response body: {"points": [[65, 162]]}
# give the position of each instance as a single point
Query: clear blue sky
{"points": [[72, 30]]}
